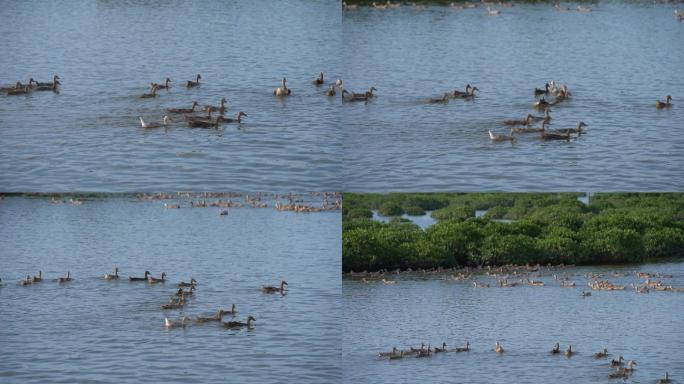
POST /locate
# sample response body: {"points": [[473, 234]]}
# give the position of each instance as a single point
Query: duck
{"points": [[456, 93], [623, 372], [48, 84], [586, 294], [378, 6], [170, 206], [114, 276], [161, 279], [338, 83], [496, 137], [131, 278], [25, 282], [577, 130], [542, 128], [617, 363], [183, 110], [203, 123], [221, 108], [17, 85], [174, 304], [369, 92], [390, 353], [395, 356], [165, 122], [444, 99], [52, 87], [527, 121], [319, 80], [492, 12], [556, 349], [569, 352], [196, 83], [272, 289], [601, 355], [237, 119], [544, 91], [553, 136], [39, 278], [541, 103], [463, 349], [443, 349], [665, 380], [151, 94], [168, 323], [65, 279], [425, 352], [190, 284], [217, 317], [330, 91], [238, 324], [19, 91], [283, 90], [468, 95], [353, 96], [167, 84], [666, 104], [498, 348]]}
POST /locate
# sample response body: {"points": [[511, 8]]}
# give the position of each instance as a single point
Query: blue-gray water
{"points": [[92, 330], [617, 61], [107, 52], [527, 321]]}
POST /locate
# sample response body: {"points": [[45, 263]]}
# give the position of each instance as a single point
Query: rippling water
{"points": [[107, 52], [617, 61], [91, 330], [527, 321]]}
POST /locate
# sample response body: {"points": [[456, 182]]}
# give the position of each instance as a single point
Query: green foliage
{"points": [[414, 210], [547, 228]]}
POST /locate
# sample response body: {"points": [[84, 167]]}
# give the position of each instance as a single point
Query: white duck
{"points": [[164, 123]]}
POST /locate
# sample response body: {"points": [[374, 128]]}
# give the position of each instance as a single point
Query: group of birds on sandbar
{"points": [[622, 369], [19, 89]]}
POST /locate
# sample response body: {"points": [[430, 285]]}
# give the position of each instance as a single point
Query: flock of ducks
{"points": [[622, 369], [176, 301], [457, 6], [510, 276], [19, 89]]}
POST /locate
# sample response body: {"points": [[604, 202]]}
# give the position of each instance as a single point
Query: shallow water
{"points": [[92, 330], [527, 321], [617, 61], [107, 52]]}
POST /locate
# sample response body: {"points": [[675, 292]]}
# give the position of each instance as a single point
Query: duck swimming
{"points": [[203, 124], [569, 352], [443, 100], [168, 323], [217, 317], [52, 87], [161, 279], [238, 324], [183, 110], [196, 83], [19, 91], [395, 356], [618, 362], [496, 137], [330, 91], [48, 84], [174, 304], [220, 109], [666, 380], [131, 278], [25, 282], [498, 348], [39, 278], [556, 349], [237, 119], [163, 123], [463, 349], [467, 95], [544, 91], [190, 284], [456, 93], [601, 355], [443, 349], [114, 276], [65, 279], [577, 130], [666, 104], [272, 289], [283, 90], [353, 96], [151, 94], [319, 80], [527, 121], [553, 136], [390, 353], [167, 84]]}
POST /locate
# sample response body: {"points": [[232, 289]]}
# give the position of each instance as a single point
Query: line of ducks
{"points": [[465, 5], [24, 89], [623, 369]]}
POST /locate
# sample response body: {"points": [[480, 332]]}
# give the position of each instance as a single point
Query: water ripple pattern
{"points": [[92, 330], [88, 137], [617, 61], [526, 320]]}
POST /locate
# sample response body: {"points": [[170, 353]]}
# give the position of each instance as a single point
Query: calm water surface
{"points": [[107, 52], [527, 321], [617, 61], [92, 330]]}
